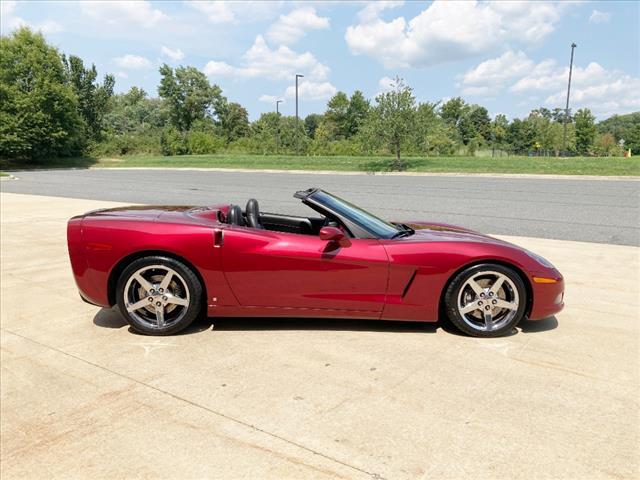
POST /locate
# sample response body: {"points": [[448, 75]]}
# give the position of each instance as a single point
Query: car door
{"points": [[276, 269]]}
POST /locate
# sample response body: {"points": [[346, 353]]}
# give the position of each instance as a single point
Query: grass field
{"points": [[536, 165]]}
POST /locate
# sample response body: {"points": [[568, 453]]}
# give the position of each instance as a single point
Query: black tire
{"points": [[453, 293], [189, 286]]}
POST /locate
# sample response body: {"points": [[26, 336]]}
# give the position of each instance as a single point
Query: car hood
{"points": [[444, 232]]}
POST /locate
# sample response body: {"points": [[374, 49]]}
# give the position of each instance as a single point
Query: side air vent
{"points": [[406, 288]]}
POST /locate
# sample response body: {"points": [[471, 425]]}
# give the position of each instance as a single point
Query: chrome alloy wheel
{"points": [[157, 296], [488, 300]]}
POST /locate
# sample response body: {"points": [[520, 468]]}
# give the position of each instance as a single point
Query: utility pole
{"points": [[297, 118], [278, 102], [566, 110]]}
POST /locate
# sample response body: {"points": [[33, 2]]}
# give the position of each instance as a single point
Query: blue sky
{"points": [[509, 56]]}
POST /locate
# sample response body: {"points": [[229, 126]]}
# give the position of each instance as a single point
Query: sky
{"points": [[510, 57]]}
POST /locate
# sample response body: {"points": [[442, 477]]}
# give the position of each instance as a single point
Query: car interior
{"points": [[254, 218]]}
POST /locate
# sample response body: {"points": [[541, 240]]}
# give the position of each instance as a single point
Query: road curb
{"points": [[387, 174]]}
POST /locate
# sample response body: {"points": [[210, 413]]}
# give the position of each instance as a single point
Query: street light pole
{"points": [[566, 110], [297, 118], [278, 102]]}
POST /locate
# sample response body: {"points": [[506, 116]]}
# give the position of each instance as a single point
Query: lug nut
{"points": [[152, 291], [482, 295], [158, 304], [151, 299], [491, 294], [161, 290], [164, 298], [487, 307], [480, 303], [494, 302]]}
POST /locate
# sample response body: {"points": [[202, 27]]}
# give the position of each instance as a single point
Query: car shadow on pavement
{"points": [[112, 318], [326, 324], [535, 326]]}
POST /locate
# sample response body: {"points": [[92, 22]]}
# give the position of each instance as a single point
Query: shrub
{"points": [[127, 144], [173, 142], [200, 143]]}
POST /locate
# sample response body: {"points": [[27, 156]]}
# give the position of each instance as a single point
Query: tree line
{"points": [[52, 106]]}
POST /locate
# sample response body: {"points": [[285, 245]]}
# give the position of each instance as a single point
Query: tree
{"points": [[189, 95], [427, 121], [311, 123], [38, 109], [499, 128], [543, 139], [605, 143], [234, 121], [585, 130], [263, 133], [624, 128], [356, 113], [338, 114], [453, 110], [520, 135], [480, 121], [392, 120], [133, 112], [93, 97]]}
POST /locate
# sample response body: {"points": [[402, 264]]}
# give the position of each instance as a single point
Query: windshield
{"points": [[380, 228]]}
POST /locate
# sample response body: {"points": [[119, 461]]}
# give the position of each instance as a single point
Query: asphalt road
{"points": [[600, 211]]}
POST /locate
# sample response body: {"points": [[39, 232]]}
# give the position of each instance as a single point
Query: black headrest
{"points": [[235, 217], [253, 213]]}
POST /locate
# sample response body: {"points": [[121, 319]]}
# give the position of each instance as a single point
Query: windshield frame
{"points": [[360, 222]]}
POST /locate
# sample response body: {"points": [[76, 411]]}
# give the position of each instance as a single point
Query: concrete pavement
{"points": [[83, 397], [567, 209]]}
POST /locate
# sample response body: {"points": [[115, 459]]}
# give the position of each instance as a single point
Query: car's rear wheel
{"points": [[159, 295], [486, 300]]}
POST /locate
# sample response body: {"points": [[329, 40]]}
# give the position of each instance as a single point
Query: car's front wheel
{"points": [[159, 295], [486, 300]]}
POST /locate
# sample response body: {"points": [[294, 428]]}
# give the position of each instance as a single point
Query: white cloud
{"points": [[122, 75], [293, 26], [173, 54], [262, 61], [139, 13], [617, 94], [220, 11], [548, 75], [599, 17], [450, 30], [11, 22], [133, 62], [46, 26], [373, 9], [307, 90], [479, 91], [216, 12], [386, 83], [7, 7], [268, 98], [604, 91], [491, 75], [311, 91]]}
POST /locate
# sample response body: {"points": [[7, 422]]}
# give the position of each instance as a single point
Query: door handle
{"points": [[218, 238]]}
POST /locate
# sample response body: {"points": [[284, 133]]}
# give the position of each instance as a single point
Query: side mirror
{"points": [[331, 234]]}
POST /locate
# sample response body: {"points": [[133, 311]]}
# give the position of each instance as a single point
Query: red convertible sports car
{"points": [[164, 266]]}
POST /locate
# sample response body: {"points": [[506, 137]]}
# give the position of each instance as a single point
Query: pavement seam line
{"points": [[374, 475]]}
